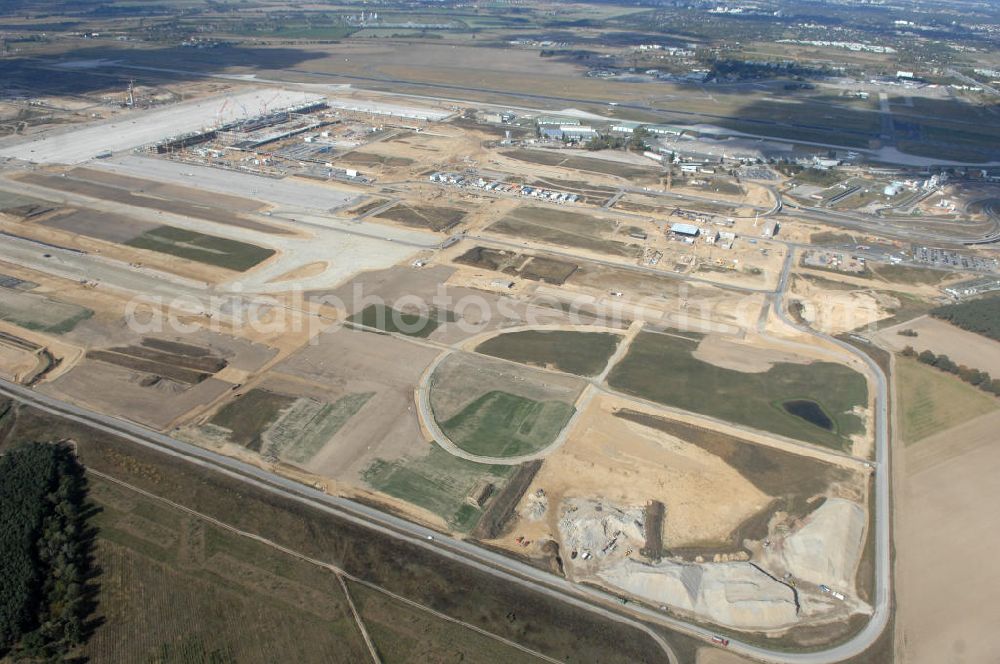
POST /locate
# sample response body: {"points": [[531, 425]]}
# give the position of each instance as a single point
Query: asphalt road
{"points": [[883, 517]]}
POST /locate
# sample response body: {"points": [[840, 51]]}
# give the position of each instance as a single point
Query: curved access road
{"points": [[883, 563]]}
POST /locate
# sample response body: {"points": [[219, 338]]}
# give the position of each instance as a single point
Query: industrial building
{"points": [[687, 230], [549, 120], [569, 133]]}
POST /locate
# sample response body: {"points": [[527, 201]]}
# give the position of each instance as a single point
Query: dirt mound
{"points": [[825, 550], [596, 529], [735, 594]]}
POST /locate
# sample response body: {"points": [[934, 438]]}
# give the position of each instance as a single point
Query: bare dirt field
{"points": [[16, 362], [609, 458], [727, 353], [120, 392], [286, 192], [942, 338], [835, 307], [145, 393], [946, 528], [155, 195], [353, 362]]}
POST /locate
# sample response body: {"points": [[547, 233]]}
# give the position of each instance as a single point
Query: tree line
{"points": [[979, 316], [980, 379], [45, 552]]}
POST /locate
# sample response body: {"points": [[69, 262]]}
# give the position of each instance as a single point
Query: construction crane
{"points": [[218, 113], [270, 101]]}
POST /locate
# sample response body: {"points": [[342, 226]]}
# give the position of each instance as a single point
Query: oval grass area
{"points": [[578, 353], [500, 424]]}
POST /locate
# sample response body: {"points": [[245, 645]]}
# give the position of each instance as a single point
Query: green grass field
{"points": [[661, 368], [931, 401], [500, 424], [387, 319], [201, 248], [437, 481], [579, 353]]}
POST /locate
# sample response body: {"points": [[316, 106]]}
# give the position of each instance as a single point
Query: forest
{"points": [[45, 552], [979, 316]]}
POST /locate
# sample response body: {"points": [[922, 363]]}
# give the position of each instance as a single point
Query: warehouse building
{"points": [[687, 230]]}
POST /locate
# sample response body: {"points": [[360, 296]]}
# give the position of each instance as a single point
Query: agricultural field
{"points": [[811, 402], [209, 249], [405, 634], [932, 401], [23, 207], [581, 163], [40, 313], [461, 378], [943, 338], [567, 229], [308, 424], [439, 219], [154, 196], [189, 365], [133, 232], [947, 503], [154, 381], [526, 266], [250, 414], [578, 353], [438, 482], [175, 588], [368, 159], [387, 319]]}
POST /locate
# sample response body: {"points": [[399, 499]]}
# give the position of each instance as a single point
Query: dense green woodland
{"points": [[44, 552], [979, 316]]}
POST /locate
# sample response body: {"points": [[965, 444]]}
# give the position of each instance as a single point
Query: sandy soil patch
{"points": [[118, 391], [306, 271], [968, 348], [718, 656], [610, 458], [351, 362], [15, 363], [733, 594], [728, 353], [836, 311], [945, 535], [826, 549]]}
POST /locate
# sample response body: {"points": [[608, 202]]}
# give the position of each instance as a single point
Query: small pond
{"points": [[810, 411]]}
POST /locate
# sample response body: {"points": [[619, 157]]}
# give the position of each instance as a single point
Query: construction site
{"points": [[251, 271]]}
